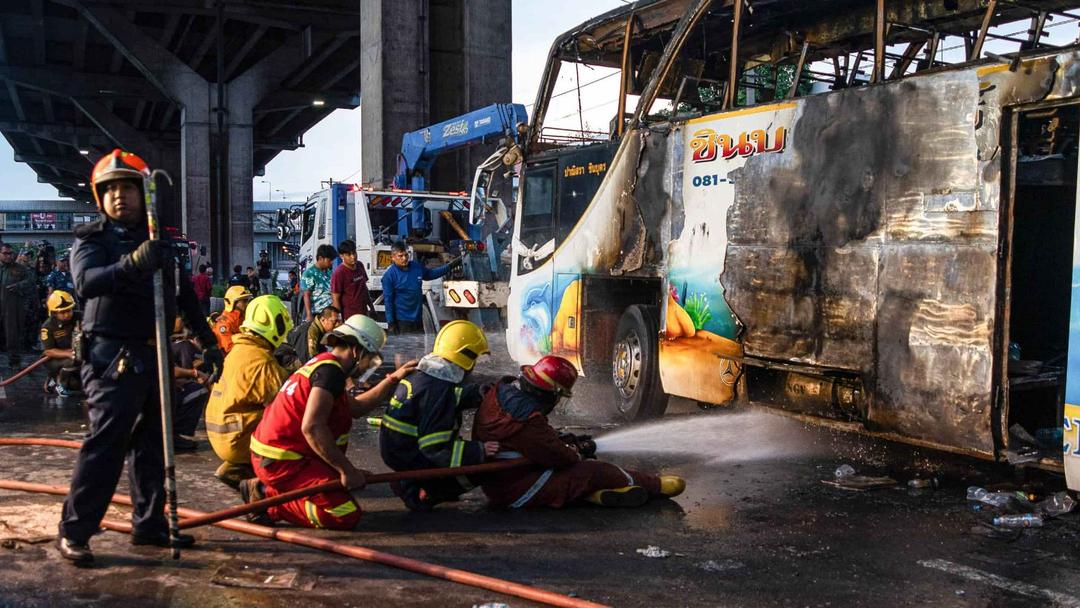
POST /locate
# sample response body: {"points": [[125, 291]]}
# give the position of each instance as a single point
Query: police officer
{"points": [[114, 263]]}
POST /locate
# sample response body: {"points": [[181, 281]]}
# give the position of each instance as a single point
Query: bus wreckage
{"points": [[820, 207]]}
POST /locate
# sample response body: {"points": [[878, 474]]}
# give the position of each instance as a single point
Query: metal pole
{"points": [[798, 71], [623, 81], [732, 91], [164, 370], [879, 42], [976, 48]]}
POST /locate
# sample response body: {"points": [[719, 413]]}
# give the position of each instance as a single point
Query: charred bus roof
{"points": [[794, 32]]}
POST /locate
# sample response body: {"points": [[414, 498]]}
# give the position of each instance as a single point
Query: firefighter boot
{"points": [[627, 496], [251, 490], [672, 485]]}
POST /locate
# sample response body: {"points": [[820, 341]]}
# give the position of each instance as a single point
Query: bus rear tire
{"points": [[635, 370]]}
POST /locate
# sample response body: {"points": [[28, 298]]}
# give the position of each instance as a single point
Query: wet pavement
{"points": [[756, 527]]}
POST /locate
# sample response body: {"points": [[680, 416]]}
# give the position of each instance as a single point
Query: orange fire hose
{"points": [[433, 570], [331, 486], [24, 371]]}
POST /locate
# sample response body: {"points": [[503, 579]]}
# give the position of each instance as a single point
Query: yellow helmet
{"points": [[234, 294], [60, 301], [461, 342], [268, 318]]}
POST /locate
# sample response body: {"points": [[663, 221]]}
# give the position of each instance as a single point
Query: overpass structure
{"points": [[212, 90]]}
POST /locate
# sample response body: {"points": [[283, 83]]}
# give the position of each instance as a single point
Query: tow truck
{"points": [[436, 226]]}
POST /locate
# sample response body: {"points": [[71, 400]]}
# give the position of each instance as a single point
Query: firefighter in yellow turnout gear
{"points": [[249, 381]]}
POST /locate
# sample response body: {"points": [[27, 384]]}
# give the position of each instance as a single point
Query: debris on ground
{"points": [[724, 565], [844, 470], [228, 575], [999, 499], [923, 483], [654, 551], [860, 483], [1025, 520], [1056, 504], [491, 605]]}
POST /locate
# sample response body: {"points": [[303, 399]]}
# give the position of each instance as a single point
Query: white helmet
{"points": [[360, 330]]}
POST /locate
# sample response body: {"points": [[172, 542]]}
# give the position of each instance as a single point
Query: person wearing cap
{"points": [[249, 381], [420, 429], [514, 413], [60, 277], [114, 262], [56, 337], [304, 433], [228, 322]]}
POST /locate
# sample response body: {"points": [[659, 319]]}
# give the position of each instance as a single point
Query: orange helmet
{"points": [[115, 165]]}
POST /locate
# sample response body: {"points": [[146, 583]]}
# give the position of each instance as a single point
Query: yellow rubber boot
{"points": [[627, 496], [672, 485]]}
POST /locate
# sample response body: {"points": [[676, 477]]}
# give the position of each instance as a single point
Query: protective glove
{"points": [[212, 363], [454, 263], [147, 257]]}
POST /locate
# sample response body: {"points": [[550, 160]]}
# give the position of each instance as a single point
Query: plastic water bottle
{"points": [[1057, 504], [1027, 520], [995, 499], [844, 470]]}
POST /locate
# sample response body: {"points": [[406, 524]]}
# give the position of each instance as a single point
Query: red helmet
{"points": [[552, 374], [117, 165]]}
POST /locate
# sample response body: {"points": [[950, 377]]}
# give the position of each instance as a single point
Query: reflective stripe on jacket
{"points": [[280, 436], [249, 380]]}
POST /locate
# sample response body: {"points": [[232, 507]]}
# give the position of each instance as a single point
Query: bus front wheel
{"points": [[635, 370]]}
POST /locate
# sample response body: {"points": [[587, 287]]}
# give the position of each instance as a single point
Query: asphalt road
{"points": [[756, 527]]}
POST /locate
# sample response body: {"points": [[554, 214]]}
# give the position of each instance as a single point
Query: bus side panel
{"points": [[865, 248], [1071, 421]]}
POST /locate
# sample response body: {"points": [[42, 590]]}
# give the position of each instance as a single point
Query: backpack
{"points": [[297, 338]]}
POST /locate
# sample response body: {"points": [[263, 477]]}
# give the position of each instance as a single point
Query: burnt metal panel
{"points": [[868, 246]]}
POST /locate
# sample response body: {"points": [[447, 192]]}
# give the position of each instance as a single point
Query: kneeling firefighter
{"points": [[227, 324], [421, 424], [514, 413], [303, 436], [249, 381], [57, 340]]}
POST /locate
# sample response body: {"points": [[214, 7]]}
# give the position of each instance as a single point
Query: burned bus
{"points": [[856, 211]]}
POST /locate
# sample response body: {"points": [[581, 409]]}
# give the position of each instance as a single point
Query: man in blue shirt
{"points": [[403, 290]]}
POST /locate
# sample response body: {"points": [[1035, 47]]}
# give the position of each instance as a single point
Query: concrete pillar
{"points": [[393, 82], [195, 163], [240, 228], [427, 61]]}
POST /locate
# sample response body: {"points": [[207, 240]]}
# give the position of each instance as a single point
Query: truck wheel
{"points": [[635, 368]]}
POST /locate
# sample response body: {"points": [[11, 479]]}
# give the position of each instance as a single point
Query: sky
{"points": [[332, 147]]}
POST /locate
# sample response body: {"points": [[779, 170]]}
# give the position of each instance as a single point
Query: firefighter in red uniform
{"points": [[514, 413], [303, 434]]}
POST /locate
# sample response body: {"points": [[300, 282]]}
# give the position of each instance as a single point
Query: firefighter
{"points": [[228, 322], [421, 424], [56, 340], [303, 436], [249, 381], [114, 265], [514, 413]]}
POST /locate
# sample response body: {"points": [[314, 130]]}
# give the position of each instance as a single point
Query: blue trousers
{"points": [[125, 424]]}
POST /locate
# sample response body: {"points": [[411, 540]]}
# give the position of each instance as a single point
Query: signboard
{"points": [[43, 221]]}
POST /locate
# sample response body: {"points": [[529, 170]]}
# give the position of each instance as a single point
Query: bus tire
{"points": [[635, 370]]}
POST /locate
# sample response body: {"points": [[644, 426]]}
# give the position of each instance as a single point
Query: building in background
{"points": [[33, 221]]}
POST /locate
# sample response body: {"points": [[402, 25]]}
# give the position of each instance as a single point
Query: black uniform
{"points": [[120, 379], [420, 431], [58, 334]]}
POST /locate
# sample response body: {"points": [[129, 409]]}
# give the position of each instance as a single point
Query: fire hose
{"points": [[222, 519], [24, 372]]}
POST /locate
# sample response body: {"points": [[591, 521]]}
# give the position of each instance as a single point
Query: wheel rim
{"points": [[626, 367]]}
